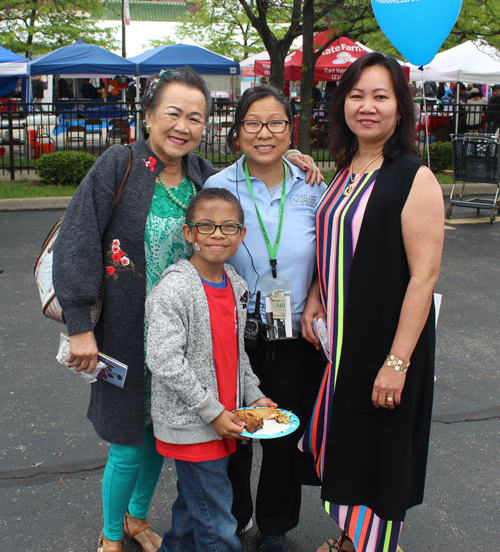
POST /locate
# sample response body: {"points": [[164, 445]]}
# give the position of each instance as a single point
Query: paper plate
{"points": [[272, 429]]}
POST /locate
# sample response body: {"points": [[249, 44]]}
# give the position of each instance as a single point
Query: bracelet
{"points": [[292, 151], [397, 364]]}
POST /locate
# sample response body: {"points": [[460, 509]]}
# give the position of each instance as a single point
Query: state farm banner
{"points": [[330, 65]]}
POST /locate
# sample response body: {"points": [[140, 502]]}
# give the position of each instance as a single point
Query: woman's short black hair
{"points": [[248, 97], [156, 85], [342, 142], [214, 194]]}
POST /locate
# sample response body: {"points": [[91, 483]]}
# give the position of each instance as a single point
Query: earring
{"points": [[399, 119], [148, 129], [197, 246]]}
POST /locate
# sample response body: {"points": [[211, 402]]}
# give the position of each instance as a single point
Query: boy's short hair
{"points": [[213, 194]]}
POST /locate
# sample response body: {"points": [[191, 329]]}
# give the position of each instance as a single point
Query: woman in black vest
{"points": [[380, 236]]}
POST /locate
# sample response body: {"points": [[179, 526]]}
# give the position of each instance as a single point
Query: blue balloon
{"points": [[417, 28]]}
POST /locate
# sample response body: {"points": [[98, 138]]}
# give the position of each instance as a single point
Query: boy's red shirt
{"points": [[224, 322]]}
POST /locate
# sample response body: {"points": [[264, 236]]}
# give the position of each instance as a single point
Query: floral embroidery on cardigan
{"points": [[151, 163], [119, 261]]}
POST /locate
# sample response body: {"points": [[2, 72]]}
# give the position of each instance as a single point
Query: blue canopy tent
{"points": [[81, 58], [201, 60], [8, 56], [12, 66]]}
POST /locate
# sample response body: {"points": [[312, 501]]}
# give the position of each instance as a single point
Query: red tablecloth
{"points": [[435, 121]]}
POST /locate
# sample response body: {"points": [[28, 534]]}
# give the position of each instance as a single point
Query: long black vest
{"points": [[377, 457]]}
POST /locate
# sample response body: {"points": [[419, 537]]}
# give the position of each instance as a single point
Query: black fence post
{"points": [[11, 140]]}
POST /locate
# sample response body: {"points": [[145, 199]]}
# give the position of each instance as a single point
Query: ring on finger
{"points": [[389, 399]]}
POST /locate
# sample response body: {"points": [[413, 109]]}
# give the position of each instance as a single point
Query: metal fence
{"points": [[440, 121], [31, 130]]}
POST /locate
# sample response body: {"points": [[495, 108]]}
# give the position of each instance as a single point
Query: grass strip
{"points": [[30, 188]]}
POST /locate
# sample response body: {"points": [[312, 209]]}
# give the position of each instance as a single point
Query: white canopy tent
{"points": [[249, 62], [467, 62]]}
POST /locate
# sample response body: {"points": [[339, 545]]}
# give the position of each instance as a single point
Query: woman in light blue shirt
{"points": [[277, 254]]}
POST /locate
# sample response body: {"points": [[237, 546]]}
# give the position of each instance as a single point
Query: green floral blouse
{"points": [[164, 244]]}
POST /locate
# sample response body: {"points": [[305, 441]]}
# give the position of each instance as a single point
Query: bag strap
{"points": [[125, 177]]}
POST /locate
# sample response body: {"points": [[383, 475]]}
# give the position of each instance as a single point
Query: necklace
{"points": [[170, 194], [352, 184]]}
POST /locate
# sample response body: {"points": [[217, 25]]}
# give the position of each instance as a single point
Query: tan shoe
{"points": [[329, 546], [140, 531], [109, 546]]}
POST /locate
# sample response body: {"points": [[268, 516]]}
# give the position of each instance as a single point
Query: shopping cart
{"points": [[475, 159]]}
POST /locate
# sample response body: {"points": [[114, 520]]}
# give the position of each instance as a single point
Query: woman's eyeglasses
{"points": [[228, 229], [253, 127]]}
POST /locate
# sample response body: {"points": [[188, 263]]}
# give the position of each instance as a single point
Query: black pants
{"points": [[290, 372]]}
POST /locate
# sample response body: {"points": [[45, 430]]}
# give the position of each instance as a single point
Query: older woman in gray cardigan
{"points": [[138, 239]]}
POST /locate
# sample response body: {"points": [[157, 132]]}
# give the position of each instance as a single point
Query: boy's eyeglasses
{"points": [[276, 127], [228, 229]]}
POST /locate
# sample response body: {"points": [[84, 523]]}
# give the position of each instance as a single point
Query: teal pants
{"points": [[129, 483]]}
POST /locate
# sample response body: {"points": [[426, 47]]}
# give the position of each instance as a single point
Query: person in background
{"points": [[329, 90], [463, 94], [474, 108], [448, 100], [317, 96], [430, 89], [89, 91], [131, 90], [65, 90], [380, 234], [441, 90], [492, 118], [38, 90], [480, 89], [130, 94]]}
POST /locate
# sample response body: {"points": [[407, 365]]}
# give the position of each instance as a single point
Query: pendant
{"points": [[349, 189]]}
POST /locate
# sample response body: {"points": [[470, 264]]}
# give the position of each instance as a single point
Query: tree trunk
{"points": [[277, 56], [308, 63]]}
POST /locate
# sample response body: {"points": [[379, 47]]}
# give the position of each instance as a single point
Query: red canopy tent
{"points": [[330, 66]]}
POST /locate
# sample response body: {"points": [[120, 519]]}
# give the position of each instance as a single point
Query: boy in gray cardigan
{"points": [[196, 320]]}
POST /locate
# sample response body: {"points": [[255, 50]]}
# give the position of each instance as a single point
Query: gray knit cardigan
{"points": [[185, 398], [89, 226]]}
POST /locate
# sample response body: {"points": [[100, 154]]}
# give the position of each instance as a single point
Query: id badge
{"points": [[278, 297]]}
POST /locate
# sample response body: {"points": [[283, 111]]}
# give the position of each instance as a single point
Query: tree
{"points": [[478, 20], [40, 26], [157, 42], [346, 17], [223, 27], [353, 19]]}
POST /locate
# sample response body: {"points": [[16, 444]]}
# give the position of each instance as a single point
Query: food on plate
{"points": [[253, 424], [266, 413]]}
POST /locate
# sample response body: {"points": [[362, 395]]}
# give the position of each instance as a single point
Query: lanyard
{"points": [[272, 249]]}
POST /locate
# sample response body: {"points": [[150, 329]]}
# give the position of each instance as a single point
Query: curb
{"points": [[34, 204], [471, 188]]}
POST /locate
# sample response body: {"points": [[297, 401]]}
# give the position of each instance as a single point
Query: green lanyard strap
{"points": [[272, 249]]}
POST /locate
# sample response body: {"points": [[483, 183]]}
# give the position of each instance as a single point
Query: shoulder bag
{"points": [[43, 267]]}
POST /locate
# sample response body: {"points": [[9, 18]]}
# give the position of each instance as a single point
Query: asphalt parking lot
{"points": [[51, 461]]}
